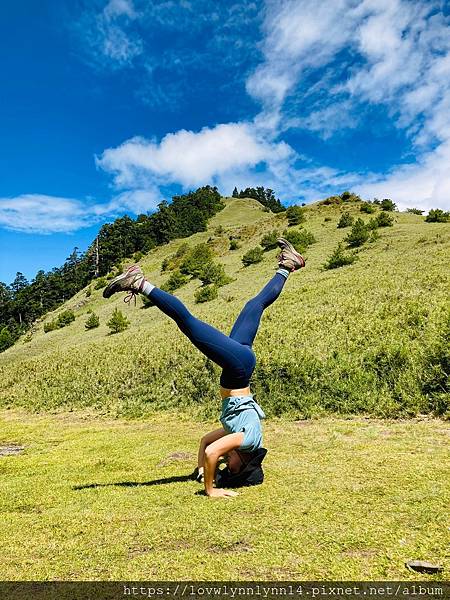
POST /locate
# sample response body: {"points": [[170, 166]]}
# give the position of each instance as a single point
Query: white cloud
{"points": [[399, 58], [108, 36], [38, 213], [191, 158]]}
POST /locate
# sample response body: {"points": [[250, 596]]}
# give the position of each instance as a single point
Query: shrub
{"points": [[332, 200], [118, 322], [350, 197], [346, 220], [65, 318], [6, 339], [388, 205], [51, 326], [234, 245], [88, 292], [436, 215], [295, 215], [99, 283], [384, 220], [195, 259], [374, 236], [269, 241], [327, 219], [219, 230], [92, 321], [175, 281], [173, 261], [137, 256], [339, 258], [367, 207], [207, 293], [414, 211], [255, 255], [214, 273], [300, 239], [358, 235]]}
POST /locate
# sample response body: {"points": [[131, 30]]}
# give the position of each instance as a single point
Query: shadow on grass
{"points": [[174, 479]]}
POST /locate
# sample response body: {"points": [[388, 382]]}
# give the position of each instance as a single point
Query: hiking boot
{"points": [[289, 258], [131, 280]]}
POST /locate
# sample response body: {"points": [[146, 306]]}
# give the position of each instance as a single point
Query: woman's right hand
{"points": [[221, 493]]}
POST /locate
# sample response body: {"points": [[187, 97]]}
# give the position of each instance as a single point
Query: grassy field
{"points": [[369, 338], [92, 498]]}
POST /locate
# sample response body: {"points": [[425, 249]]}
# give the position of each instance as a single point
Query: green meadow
{"points": [[93, 498], [352, 373]]}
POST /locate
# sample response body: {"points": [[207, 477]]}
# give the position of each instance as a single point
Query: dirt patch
{"points": [[138, 551], [175, 457], [239, 546], [10, 449]]}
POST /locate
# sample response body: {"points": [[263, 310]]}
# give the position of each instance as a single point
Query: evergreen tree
{"points": [[118, 322], [235, 193]]}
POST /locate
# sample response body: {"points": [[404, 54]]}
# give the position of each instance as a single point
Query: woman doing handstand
{"points": [[240, 436]]}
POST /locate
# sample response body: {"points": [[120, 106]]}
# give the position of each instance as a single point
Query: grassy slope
{"points": [[342, 500], [353, 339]]}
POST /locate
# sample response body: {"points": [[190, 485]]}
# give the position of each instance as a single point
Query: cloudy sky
{"points": [[107, 107]]}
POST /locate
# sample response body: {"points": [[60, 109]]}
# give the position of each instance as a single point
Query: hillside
{"points": [[369, 337]]}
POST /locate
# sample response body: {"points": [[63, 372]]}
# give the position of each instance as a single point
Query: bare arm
{"points": [[213, 451], [207, 439]]}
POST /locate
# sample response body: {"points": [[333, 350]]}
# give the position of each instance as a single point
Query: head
{"points": [[243, 468], [237, 460]]}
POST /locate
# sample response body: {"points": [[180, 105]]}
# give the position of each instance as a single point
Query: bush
{"points": [[175, 281], [137, 256], [88, 292], [118, 322], [358, 235], [346, 220], [6, 339], [332, 200], [195, 259], [384, 220], [214, 273], [255, 255], [65, 318], [350, 197], [99, 283], [339, 258], [300, 239], [234, 245], [388, 205], [295, 215], [436, 215], [207, 293], [92, 321], [367, 207], [51, 326], [269, 241], [414, 211]]}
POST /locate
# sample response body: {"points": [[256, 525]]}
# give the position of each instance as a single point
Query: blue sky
{"points": [[107, 107]]}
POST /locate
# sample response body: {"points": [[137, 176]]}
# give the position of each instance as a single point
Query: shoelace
{"points": [[129, 297], [133, 294]]}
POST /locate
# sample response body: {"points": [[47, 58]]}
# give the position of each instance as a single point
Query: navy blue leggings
{"points": [[234, 353]]}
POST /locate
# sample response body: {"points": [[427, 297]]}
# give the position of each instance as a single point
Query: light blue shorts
{"points": [[242, 413]]}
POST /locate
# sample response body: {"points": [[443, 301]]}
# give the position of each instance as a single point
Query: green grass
{"points": [[342, 500], [366, 338]]}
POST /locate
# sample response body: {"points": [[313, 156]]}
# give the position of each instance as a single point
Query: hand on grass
{"points": [[220, 493]]}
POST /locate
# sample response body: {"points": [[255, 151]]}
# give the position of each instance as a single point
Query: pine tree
{"points": [[118, 322]]}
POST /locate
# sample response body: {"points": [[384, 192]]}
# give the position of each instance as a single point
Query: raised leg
{"points": [[247, 323], [227, 353]]}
